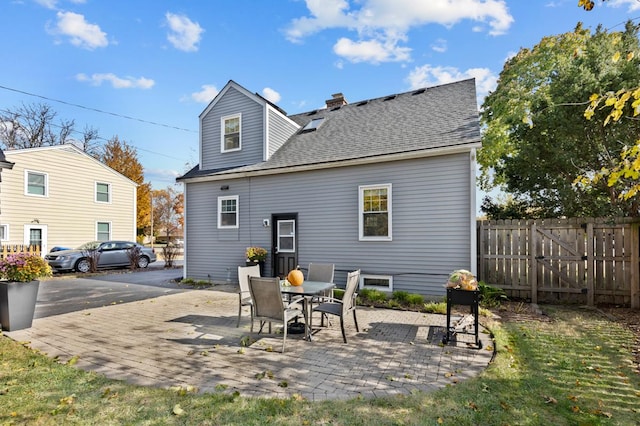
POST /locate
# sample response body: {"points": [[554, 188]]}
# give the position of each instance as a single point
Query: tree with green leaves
{"points": [[123, 158], [536, 141], [624, 174]]}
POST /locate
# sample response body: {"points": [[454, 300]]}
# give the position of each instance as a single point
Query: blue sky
{"points": [[144, 70]]}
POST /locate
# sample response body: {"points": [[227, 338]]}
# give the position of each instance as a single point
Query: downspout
{"points": [[473, 236]]}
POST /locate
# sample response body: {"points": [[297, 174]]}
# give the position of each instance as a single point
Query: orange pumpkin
{"points": [[295, 277]]}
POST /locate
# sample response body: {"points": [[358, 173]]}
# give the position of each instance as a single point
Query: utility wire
{"points": [[98, 110]]}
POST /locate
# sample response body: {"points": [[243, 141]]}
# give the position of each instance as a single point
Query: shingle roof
{"points": [[425, 119]]}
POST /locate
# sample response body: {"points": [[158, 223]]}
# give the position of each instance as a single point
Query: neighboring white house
{"points": [[384, 185], [61, 196]]}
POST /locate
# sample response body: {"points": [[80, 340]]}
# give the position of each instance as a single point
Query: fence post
{"points": [[635, 266], [590, 266], [533, 267]]}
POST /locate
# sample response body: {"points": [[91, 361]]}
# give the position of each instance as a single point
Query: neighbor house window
{"points": [[231, 132], [36, 183], [377, 282], [375, 212], [4, 232], [103, 192], [228, 212], [103, 231]]}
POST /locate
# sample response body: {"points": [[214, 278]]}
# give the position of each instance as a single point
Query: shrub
{"points": [[490, 296], [400, 296], [368, 295]]}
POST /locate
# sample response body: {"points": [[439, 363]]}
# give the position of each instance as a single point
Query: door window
{"points": [[286, 236]]}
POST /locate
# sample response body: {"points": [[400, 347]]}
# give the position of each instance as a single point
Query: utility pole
{"points": [[151, 196]]}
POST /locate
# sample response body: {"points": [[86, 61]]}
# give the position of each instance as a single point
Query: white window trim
{"points": [[229, 197], [6, 232], [26, 183], [361, 190], [222, 120], [108, 192], [110, 229], [377, 277]]}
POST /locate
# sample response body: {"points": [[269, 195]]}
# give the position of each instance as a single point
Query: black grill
{"points": [[466, 298]]}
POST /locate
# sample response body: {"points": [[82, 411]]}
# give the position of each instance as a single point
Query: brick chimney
{"points": [[337, 100]]}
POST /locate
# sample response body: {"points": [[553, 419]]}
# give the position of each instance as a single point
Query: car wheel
{"points": [[143, 262], [83, 265]]}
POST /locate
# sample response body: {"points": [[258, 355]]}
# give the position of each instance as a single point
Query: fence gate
{"points": [[559, 259], [578, 260]]}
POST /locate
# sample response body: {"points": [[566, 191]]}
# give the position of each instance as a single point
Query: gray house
{"points": [[385, 185]]}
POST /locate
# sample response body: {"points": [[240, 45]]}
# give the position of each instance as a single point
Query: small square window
{"points": [[103, 192], [103, 231], [228, 212], [231, 133], [4, 232], [36, 183]]}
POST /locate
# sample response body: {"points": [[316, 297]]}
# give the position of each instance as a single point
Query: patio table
{"points": [[308, 289]]}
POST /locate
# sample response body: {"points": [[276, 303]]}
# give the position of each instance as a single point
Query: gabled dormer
{"points": [[240, 128]]}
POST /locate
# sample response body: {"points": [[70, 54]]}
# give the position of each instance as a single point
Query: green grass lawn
{"points": [[573, 368]]}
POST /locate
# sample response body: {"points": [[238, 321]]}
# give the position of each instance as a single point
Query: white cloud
{"points": [[49, 4], [271, 95], [632, 4], [205, 95], [184, 33], [428, 75], [116, 82], [82, 34], [382, 24], [440, 45]]}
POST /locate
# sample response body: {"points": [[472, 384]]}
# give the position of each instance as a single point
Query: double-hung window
{"points": [[228, 212], [231, 133], [103, 231], [4, 232], [36, 183], [375, 212], [103, 192]]}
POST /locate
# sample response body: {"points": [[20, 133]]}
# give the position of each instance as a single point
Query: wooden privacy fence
{"points": [[578, 260], [6, 250]]}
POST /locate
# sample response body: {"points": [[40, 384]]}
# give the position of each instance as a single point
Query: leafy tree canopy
{"points": [[123, 158], [535, 138]]}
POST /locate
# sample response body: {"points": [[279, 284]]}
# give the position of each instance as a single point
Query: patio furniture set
{"points": [[274, 300]]}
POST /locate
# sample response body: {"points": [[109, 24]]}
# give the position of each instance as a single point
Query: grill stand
{"points": [[466, 298]]}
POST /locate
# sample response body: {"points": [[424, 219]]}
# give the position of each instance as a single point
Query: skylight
{"points": [[313, 124]]}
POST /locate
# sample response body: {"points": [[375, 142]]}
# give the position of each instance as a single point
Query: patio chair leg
{"points": [[355, 320], [239, 314], [344, 336], [284, 338]]}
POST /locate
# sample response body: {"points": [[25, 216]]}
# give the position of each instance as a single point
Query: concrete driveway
{"points": [[142, 328]]}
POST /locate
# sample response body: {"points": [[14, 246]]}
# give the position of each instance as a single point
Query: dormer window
{"points": [[231, 132]]}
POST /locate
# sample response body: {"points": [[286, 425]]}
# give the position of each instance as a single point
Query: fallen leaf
{"points": [[572, 397], [575, 409], [177, 410], [550, 399], [73, 360]]}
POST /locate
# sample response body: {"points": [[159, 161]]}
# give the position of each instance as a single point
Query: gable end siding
{"points": [[252, 132]]}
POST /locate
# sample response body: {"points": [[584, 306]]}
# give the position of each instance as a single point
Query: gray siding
{"points": [[280, 129], [431, 221], [252, 132]]}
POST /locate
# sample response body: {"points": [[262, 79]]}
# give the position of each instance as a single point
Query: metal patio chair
{"points": [[268, 305], [244, 295], [341, 308], [321, 272]]}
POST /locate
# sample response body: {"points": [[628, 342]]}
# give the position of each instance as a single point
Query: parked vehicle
{"points": [[109, 254]]}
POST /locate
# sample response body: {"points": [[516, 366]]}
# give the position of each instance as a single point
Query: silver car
{"points": [[109, 253]]}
